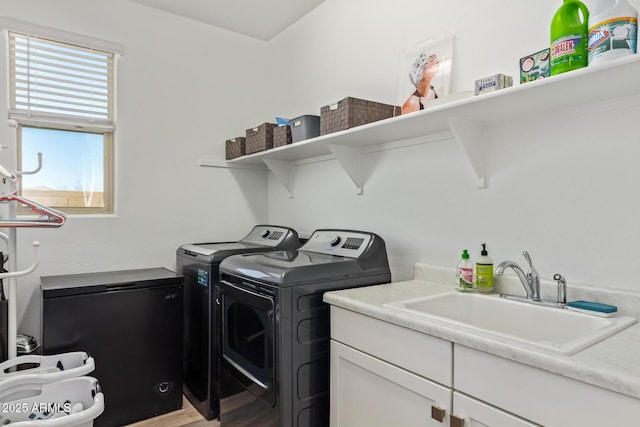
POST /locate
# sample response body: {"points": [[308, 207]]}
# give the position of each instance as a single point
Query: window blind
{"points": [[62, 83]]}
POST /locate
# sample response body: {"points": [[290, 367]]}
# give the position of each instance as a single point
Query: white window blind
{"points": [[62, 83]]}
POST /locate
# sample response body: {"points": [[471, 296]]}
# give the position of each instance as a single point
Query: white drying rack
{"points": [[47, 218]]}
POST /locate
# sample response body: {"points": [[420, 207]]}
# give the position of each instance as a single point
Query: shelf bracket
{"points": [[283, 170], [349, 159], [471, 136]]}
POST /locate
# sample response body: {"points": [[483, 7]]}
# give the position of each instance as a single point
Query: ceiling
{"points": [[261, 19]]}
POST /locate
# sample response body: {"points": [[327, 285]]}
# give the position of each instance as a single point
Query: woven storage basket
{"points": [[351, 112], [260, 138], [281, 136], [236, 147]]}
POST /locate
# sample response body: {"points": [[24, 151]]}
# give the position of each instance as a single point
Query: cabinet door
{"points": [[478, 414], [368, 392]]}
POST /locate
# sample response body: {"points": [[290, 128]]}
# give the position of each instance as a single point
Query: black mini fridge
{"points": [[131, 323]]}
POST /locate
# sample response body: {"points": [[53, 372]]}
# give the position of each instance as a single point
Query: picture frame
{"points": [[424, 73]]}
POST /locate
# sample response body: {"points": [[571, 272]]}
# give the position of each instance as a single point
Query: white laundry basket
{"points": [[44, 369], [71, 402]]}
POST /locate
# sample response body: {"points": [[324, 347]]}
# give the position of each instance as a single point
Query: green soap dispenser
{"points": [[464, 273], [484, 271]]}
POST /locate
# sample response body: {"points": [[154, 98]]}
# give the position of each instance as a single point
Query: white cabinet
{"points": [[387, 375], [374, 384], [368, 392]]}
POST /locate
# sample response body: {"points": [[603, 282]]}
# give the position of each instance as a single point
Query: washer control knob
{"points": [[334, 240], [265, 233]]}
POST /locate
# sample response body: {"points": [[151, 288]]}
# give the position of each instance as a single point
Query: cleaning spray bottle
{"points": [[613, 30], [569, 31], [484, 271]]}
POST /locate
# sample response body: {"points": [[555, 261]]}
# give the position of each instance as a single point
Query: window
{"points": [[62, 97], [75, 177]]}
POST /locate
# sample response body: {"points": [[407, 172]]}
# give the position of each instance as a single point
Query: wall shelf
{"points": [[467, 119]]}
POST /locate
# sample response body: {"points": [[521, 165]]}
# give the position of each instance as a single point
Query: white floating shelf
{"points": [[467, 119]]}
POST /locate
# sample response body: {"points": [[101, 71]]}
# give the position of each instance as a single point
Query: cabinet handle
{"points": [[437, 413], [456, 421]]}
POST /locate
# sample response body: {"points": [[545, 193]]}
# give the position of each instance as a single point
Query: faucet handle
{"points": [[532, 270], [533, 277]]}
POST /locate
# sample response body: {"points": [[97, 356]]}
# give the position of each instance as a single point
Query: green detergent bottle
{"points": [[569, 37]]}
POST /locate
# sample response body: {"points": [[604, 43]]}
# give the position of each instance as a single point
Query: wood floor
{"points": [[183, 417]]}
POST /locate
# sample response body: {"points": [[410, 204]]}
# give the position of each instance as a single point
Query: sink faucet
{"points": [[530, 281]]}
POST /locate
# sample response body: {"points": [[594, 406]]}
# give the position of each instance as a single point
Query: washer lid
{"points": [[260, 239], [209, 249]]}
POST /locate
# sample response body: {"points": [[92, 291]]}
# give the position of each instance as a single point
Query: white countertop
{"points": [[613, 363]]}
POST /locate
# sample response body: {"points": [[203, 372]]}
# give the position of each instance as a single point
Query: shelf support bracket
{"points": [[349, 159], [471, 136], [283, 170]]}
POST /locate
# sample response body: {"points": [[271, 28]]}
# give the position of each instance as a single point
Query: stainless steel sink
{"points": [[558, 330]]}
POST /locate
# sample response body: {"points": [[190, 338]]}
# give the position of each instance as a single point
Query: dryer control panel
{"points": [[267, 235], [350, 244]]}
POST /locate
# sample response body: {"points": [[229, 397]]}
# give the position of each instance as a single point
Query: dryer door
{"points": [[248, 328]]}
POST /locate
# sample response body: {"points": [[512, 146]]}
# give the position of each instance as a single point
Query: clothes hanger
{"points": [[48, 217]]}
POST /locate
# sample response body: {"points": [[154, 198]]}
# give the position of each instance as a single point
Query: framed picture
{"points": [[424, 73]]}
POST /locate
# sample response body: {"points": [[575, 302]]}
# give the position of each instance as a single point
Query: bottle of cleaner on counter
{"points": [[484, 271], [613, 30], [464, 273], [569, 31]]}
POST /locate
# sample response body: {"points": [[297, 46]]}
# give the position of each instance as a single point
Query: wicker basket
{"points": [[351, 112], [260, 138], [236, 147], [281, 136]]}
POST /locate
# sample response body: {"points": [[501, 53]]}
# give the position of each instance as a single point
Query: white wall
{"points": [[182, 90], [561, 188], [562, 185]]}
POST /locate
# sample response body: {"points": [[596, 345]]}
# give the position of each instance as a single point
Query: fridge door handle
{"points": [[120, 286]]}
